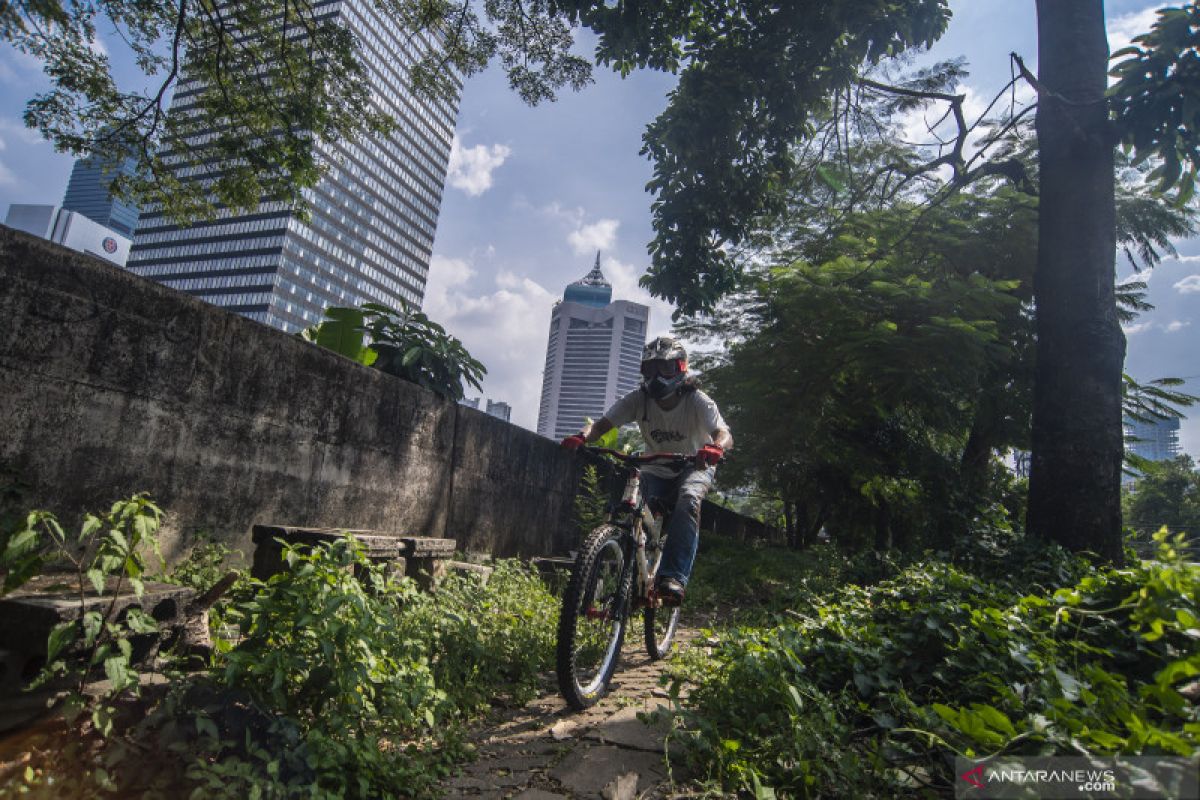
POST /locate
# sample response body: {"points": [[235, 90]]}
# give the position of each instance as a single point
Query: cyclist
{"points": [[674, 417]]}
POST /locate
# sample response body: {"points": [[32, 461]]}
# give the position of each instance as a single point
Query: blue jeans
{"points": [[683, 527]]}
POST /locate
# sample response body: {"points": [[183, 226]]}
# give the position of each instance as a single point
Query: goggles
{"points": [[667, 368]]}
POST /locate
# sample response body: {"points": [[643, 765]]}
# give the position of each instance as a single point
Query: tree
{"points": [[757, 77], [1078, 445], [872, 393], [874, 389], [266, 78], [1167, 493]]}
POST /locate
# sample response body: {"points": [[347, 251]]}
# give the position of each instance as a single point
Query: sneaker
{"points": [[670, 591]]}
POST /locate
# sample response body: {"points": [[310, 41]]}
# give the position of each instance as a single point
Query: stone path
{"points": [[546, 751]]}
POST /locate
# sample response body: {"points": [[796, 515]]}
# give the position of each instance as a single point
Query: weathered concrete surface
{"points": [[546, 750], [29, 613], [112, 384], [508, 493]]}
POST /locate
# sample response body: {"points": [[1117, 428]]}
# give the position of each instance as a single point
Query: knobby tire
{"points": [[659, 642], [592, 564]]}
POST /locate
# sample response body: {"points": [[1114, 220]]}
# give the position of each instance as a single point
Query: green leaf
{"points": [[995, 719], [93, 623], [1070, 686], [116, 669], [206, 727], [139, 621], [61, 635], [97, 579], [102, 719]]}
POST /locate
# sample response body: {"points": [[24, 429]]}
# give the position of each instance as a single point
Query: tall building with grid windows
{"points": [[87, 194], [593, 354], [1156, 441], [373, 214]]}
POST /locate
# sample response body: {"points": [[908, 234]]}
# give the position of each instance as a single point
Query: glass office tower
{"points": [[593, 354], [87, 194], [373, 214]]}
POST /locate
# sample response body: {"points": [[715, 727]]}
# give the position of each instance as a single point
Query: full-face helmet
{"points": [[664, 367]]}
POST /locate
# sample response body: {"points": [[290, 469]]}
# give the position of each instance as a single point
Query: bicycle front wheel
{"points": [[591, 626]]}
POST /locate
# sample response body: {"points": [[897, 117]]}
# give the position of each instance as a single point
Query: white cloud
{"points": [[17, 68], [1122, 29], [599, 235], [556, 211], [1176, 325], [1133, 330], [471, 168], [1189, 285], [14, 129], [504, 326], [915, 125]]}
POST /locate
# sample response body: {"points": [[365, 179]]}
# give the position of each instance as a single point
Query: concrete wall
{"points": [[112, 384]]}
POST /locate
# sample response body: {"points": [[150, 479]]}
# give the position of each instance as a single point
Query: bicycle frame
{"points": [[634, 515]]}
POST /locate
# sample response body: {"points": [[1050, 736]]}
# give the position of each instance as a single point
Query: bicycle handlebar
{"points": [[634, 458]]}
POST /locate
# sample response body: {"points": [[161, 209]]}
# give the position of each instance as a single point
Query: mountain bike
{"points": [[612, 577]]}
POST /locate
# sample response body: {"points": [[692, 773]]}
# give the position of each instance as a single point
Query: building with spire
{"points": [[593, 354]]}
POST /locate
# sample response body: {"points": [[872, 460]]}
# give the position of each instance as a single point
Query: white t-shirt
{"points": [[683, 429]]}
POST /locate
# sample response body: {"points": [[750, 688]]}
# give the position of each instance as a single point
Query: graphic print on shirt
{"points": [[660, 436]]}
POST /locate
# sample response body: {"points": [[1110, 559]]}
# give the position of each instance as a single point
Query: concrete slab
{"points": [[625, 729], [587, 770], [539, 794]]}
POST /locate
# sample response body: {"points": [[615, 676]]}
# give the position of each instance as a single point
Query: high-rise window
{"points": [[88, 194], [373, 214]]}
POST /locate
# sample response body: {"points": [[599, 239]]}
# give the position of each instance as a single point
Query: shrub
{"points": [[876, 691], [371, 676]]}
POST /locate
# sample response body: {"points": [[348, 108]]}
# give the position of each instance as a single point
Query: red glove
{"points": [[574, 442], [709, 454]]}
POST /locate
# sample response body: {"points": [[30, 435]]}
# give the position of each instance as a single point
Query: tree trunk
{"points": [[811, 529], [789, 524], [1074, 488], [883, 528]]}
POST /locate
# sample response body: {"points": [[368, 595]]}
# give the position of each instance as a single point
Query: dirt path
{"points": [[545, 751]]}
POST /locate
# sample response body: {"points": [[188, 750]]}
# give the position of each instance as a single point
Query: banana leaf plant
{"points": [[404, 343]]}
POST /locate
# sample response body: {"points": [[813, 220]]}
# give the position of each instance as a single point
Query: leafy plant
{"points": [[203, 566], [489, 640], [591, 499], [107, 554], [368, 677], [875, 690], [403, 343]]}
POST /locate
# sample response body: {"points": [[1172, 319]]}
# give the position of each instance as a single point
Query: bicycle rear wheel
{"points": [[661, 622], [591, 626], [660, 630]]}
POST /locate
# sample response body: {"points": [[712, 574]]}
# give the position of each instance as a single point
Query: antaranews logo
{"points": [[973, 776], [1053, 777]]}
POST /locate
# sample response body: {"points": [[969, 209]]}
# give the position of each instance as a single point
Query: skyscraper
{"points": [[499, 409], [373, 214], [1156, 441], [87, 194], [593, 354]]}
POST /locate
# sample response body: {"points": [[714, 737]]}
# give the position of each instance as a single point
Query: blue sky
{"points": [[535, 192]]}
